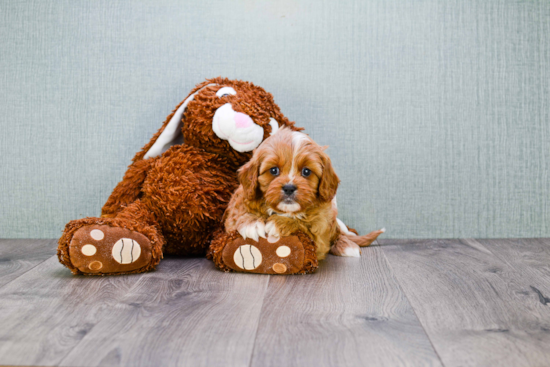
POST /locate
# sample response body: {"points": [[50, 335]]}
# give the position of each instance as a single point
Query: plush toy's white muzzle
{"points": [[237, 128]]}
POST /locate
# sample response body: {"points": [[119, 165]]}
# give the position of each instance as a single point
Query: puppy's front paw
{"points": [[272, 231], [253, 230]]}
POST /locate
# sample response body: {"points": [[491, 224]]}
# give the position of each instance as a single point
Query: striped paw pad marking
{"points": [[126, 251], [279, 268], [97, 234], [88, 250], [283, 251], [247, 257]]}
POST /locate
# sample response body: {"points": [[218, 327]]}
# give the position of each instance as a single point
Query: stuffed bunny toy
{"points": [[173, 195]]}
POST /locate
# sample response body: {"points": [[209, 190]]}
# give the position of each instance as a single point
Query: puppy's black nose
{"points": [[289, 189]]}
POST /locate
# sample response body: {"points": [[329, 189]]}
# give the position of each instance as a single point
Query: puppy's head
{"points": [[290, 172]]}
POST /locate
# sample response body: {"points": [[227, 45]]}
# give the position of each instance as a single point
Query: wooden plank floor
{"points": [[403, 303]]}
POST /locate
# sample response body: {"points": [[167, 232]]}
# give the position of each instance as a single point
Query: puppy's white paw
{"points": [[253, 230], [345, 247], [352, 252], [272, 231]]}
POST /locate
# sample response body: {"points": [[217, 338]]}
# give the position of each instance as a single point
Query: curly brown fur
{"points": [[129, 189], [197, 187], [310, 261]]}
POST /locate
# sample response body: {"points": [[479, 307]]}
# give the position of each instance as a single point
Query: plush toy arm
{"points": [[129, 189]]}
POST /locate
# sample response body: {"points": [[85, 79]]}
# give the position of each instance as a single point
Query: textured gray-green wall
{"points": [[437, 112]]}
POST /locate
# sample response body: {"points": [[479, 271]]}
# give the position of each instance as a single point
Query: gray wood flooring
{"points": [[403, 303]]}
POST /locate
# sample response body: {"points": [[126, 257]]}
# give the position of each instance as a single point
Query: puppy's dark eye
{"points": [[306, 172], [274, 171]]}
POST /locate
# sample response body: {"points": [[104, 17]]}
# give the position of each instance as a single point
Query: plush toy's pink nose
{"points": [[242, 120]]}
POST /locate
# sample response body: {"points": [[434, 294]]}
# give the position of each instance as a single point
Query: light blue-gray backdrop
{"points": [[437, 113]]}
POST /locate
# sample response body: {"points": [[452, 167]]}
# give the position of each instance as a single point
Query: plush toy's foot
{"points": [[100, 246], [288, 255], [104, 249]]}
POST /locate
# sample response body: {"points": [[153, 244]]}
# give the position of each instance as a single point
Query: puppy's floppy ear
{"points": [[328, 184], [248, 177]]}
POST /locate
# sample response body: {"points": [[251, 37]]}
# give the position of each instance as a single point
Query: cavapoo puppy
{"points": [[287, 186]]}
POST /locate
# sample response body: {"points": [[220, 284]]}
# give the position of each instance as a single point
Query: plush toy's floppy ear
{"points": [[329, 180], [171, 131], [274, 126], [248, 177]]}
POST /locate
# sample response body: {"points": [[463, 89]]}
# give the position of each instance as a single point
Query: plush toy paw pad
{"points": [[88, 250], [126, 252], [283, 251], [279, 268], [266, 256], [247, 257], [97, 234], [105, 249], [95, 265]]}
